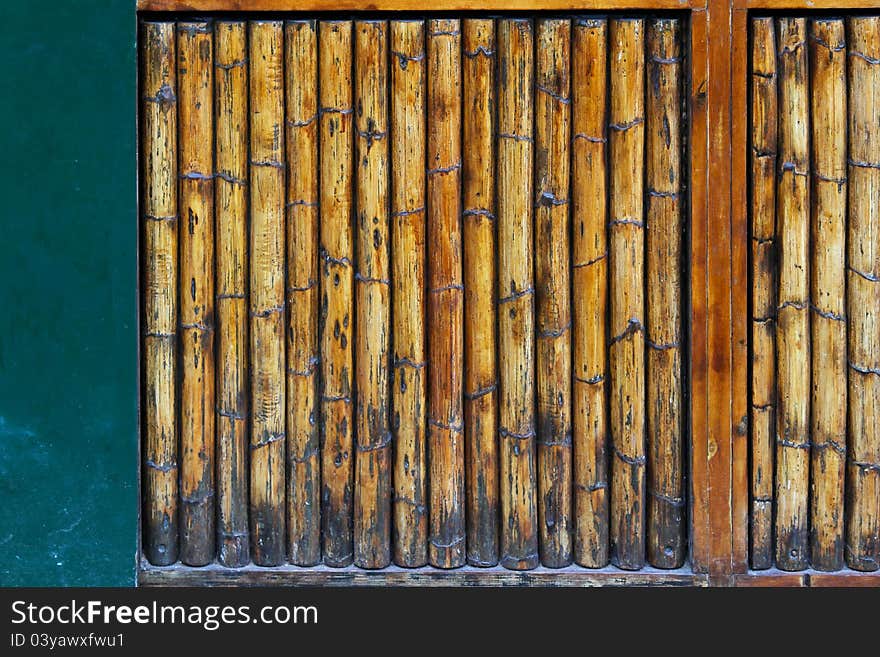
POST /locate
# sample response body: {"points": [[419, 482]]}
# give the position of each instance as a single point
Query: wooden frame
{"points": [[718, 289]]}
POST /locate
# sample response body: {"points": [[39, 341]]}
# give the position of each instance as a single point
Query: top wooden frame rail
{"points": [[411, 5]]}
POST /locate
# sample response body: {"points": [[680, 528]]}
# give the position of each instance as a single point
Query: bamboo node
{"points": [[336, 110], [831, 444], [452, 33], [633, 326], [420, 509], [626, 125], [865, 465], [762, 500], [275, 164], [313, 363], [664, 60], [199, 499], [455, 428], [516, 295], [312, 283], [326, 257], [827, 314], [592, 488], [329, 399], [763, 152], [268, 311], [589, 138], [268, 439], [555, 96], [599, 378], [873, 278], [302, 123], [554, 333], [867, 58], [372, 447], [765, 76], [446, 288], [549, 199], [371, 135], [157, 217], [763, 407], [405, 213], [404, 59], [791, 48], [197, 326], [164, 96], [797, 305], [478, 212], [565, 441], [626, 221], [507, 433], [452, 543], [481, 392], [161, 467], [402, 361], [822, 42], [662, 346], [232, 180], [442, 170], [638, 461], [840, 182], [159, 334], [676, 502], [230, 414], [653, 193], [515, 137], [236, 63], [782, 442], [480, 50], [792, 167], [196, 175], [862, 369], [863, 164], [360, 278], [303, 202], [588, 263]]}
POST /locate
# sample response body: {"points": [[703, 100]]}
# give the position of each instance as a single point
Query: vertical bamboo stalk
{"points": [[372, 492], [516, 348], [589, 290], [665, 485], [231, 165], [480, 376], [336, 285], [793, 323], [195, 65], [267, 292], [828, 292], [160, 221], [303, 406], [626, 351], [446, 547], [408, 291], [552, 313], [863, 296], [764, 288]]}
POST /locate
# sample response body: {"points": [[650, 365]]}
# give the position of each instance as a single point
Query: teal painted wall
{"points": [[68, 334]]}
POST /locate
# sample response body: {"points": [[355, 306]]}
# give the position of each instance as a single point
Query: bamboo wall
{"points": [[412, 292], [815, 271]]}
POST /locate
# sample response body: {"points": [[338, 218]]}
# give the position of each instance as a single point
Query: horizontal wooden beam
{"points": [[394, 576], [410, 5], [806, 578], [806, 5]]}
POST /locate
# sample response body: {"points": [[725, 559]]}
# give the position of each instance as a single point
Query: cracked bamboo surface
{"points": [[407, 152], [267, 297], [446, 541], [231, 165], [195, 64], [589, 281], [626, 351], [665, 422], [413, 222], [303, 401], [160, 225]]}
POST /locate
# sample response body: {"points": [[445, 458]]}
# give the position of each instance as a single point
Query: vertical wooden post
{"points": [[480, 375], [268, 446], [445, 302], [336, 285], [230, 188], [195, 62], [516, 292], [159, 223], [626, 254], [863, 296], [666, 546], [589, 289], [372, 493], [764, 288], [408, 291], [552, 312], [828, 292], [303, 405], [793, 319]]}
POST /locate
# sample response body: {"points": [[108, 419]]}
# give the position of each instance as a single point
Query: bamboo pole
{"points": [[764, 288], [516, 349], [195, 65], [160, 221], [407, 145], [446, 547], [626, 351], [268, 445], [480, 375], [589, 286], [336, 288], [230, 188], [828, 292], [303, 405], [666, 544], [552, 312], [372, 492], [863, 296], [793, 324]]}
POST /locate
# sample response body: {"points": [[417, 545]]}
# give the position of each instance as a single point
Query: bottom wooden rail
{"points": [[215, 575], [806, 578]]}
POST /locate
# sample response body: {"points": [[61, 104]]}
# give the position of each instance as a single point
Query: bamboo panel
{"points": [[267, 238], [552, 305], [764, 289], [589, 281], [863, 295], [372, 492], [516, 350], [160, 221], [626, 351], [793, 319], [480, 368], [665, 448], [446, 547], [828, 291], [303, 403], [195, 63], [407, 149], [336, 288], [230, 191]]}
